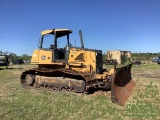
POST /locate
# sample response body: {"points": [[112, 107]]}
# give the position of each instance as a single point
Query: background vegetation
{"points": [[16, 57], [137, 57], [144, 56], [134, 56]]}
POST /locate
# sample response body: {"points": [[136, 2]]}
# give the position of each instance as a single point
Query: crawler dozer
{"points": [[75, 69]]}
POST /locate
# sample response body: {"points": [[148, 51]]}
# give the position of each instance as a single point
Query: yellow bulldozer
{"points": [[75, 69]]}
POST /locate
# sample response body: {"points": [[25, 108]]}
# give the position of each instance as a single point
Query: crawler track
{"points": [[57, 79]]}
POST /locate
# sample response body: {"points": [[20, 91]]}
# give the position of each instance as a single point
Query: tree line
{"points": [[16, 57], [138, 56], [23, 56], [144, 56], [134, 56]]}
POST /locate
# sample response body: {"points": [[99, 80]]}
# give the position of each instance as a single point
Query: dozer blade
{"points": [[122, 85]]}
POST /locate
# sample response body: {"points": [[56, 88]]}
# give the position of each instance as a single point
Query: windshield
{"points": [[49, 42]]}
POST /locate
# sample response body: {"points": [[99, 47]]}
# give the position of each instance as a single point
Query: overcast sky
{"points": [[132, 25]]}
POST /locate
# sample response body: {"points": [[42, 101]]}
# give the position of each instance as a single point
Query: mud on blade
{"points": [[122, 85]]}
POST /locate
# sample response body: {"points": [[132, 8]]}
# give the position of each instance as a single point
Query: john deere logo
{"points": [[43, 57]]}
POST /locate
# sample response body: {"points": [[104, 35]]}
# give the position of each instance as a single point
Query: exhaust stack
{"points": [[81, 39]]}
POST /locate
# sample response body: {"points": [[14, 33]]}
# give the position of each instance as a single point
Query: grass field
{"points": [[19, 103]]}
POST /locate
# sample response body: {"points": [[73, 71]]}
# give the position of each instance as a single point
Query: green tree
{"points": [[123, 59], [14, 55], [26, 57]]}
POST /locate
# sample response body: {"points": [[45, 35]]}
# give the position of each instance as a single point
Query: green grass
{"points": [[19, 103], [145, 104]]}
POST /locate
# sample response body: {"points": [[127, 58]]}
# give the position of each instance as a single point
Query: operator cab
{"points": [[51, 41]]}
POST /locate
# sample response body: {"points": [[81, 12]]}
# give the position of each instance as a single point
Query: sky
{"points": [[130, 25]]}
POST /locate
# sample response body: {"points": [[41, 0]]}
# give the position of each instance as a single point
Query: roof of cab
{"points": [[59, 32]]}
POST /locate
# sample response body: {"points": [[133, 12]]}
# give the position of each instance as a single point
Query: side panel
{"points": [[45, 57], [41, 57], [82, 60]]}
